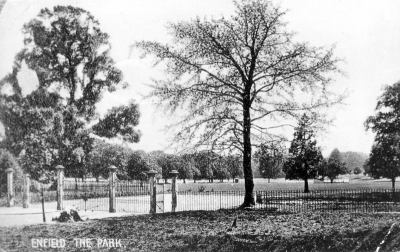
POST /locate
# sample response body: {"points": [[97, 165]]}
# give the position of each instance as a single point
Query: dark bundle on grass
{"points": [[72, 216]]}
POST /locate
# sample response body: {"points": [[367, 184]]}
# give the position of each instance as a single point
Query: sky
{"points": [[366, 35]]}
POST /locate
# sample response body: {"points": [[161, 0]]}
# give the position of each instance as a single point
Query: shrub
{"points": [[7, 160], [202, 189]]}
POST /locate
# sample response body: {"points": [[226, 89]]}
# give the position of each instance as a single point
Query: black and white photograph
{"points": [[200, 125]]}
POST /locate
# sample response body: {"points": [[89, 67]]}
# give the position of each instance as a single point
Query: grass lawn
{"points": [[281, 184], [213, 231]]}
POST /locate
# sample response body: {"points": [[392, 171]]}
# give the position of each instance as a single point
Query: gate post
{"points": [[152, 189], [10, 188], [174, 188], [112, 179], [27, 184], [60, 190]]}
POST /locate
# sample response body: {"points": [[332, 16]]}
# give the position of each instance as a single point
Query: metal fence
{"points": [[296, 201], [131, 196]]}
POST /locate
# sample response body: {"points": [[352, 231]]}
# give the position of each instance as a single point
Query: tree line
{"points": [[134, 164]]}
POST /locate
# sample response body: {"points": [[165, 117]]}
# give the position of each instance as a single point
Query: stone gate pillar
{"points": [[112, 184], [174, 188], [26, 197], [10, 187], [60, 190], [152, 189]]}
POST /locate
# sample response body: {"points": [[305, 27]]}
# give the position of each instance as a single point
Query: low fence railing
{"points": [[134, 197], [375, 200]]}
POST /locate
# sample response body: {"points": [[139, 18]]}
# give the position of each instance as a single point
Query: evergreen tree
{"points": [[304, 155]]}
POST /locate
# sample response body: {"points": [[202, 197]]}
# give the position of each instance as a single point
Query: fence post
{"points": [[112, 178], [152, 189], [26, 197], [60, 190], [10, 188], [174, 188]]}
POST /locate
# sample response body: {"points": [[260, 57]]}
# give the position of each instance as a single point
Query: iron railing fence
{"points": [[92, 195], [133, 196], [374, 200]]}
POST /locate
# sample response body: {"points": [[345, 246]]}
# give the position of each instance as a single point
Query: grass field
{"points": [[214, 231], [359, 183]]}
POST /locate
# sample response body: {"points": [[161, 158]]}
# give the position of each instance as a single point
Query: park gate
{"points": [[133, 196], [160, 190], [86, 195]]}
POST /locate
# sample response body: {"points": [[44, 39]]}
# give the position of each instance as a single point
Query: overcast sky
{"points": [[366, 34]]}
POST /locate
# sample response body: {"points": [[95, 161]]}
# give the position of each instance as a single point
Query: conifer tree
{"points": [[304, 155]]}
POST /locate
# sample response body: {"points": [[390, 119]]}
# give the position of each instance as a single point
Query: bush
{"points": [[202, 189], [7, 160]]}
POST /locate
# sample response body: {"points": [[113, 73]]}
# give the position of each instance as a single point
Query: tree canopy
{"points": [[69, 54], [270, 160], [335, 165], [239, 77], [384, 160]]}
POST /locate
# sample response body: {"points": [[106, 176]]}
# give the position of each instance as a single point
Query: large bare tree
{"points": [[233, 79]]}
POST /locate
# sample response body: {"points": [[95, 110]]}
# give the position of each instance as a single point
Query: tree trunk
{"points": [[393, 181], [331, 181], [165, 180], [248, 173], [306, 190], [184, 181], [269, 180]]}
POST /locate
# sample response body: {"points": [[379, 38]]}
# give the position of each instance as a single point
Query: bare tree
{"points": [[232, 77]]}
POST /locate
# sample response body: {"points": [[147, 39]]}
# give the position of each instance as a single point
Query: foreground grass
{"points": [[213, 231]]}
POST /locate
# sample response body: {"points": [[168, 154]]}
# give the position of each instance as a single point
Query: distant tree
{"points": [[221, 169], [139, 163], [234, 163], [233, 73], [270, 159], [357, 170], [335, 165], [322, 168], [165, 161], [186, 167], [367, 169], [204, 162], [104, 154], [304, 155], [255, 167], [384, 160], [353, 159]]}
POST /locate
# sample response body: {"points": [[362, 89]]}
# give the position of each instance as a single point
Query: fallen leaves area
{"points": [[224, 230]]}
